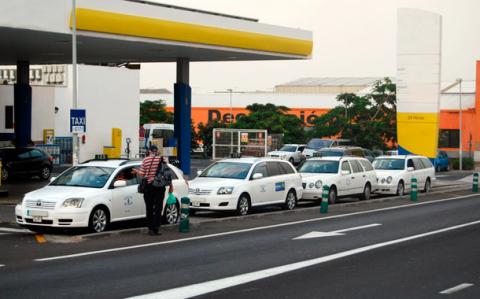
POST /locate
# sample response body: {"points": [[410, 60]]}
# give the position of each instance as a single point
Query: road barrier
{"points": [[324, 204], [184, 226], [475, 182], [414, 191]]}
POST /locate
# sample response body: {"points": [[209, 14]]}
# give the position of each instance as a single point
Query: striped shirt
{"points": [[149, 167]]}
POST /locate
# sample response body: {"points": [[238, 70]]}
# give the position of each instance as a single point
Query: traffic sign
{"points": [[78, 121]]}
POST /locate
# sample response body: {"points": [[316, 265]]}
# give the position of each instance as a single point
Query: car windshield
{"points": [[389, 164], [227, 170], [84, 176], [288, 148], [312, 166], [330, 154], [317, 144]]}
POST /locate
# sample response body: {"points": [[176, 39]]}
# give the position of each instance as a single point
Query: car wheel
{"points": [[243, 205], [400, 189], [98, 220], [5, 174], [290, 201], [428, 186], [45, 173], [291, 160], [171, 214], [367, 191], [332, 195]]}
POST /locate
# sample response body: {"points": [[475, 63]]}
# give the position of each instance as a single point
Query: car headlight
{"points": [[389, 179], [311, 185], [225, 190], [318, 184], [75, 202]]}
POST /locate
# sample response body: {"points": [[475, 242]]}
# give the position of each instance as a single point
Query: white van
{"points": [[157, 131]]}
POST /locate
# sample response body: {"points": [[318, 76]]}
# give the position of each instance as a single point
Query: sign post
{"points": [[78, 125]]}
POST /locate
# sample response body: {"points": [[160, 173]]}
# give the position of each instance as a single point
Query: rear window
{"points": [[426, 162], [274, 168], [287, 168], [366, 165], [418, 164], [356, 166]]}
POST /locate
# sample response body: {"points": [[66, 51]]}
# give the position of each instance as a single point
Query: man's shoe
{"points": [[151, 232]]}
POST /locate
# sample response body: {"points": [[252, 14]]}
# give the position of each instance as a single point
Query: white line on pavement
{"points": [[244, 230], [456, 288], [15, 230], [2, 266], [223, 283], [357, 228]]}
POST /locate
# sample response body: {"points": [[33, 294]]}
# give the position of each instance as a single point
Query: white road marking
{"points": [[456, 288], [341, 232], [244, 230], [15, 230], [2, 266], [223, 283], [4, 234]]}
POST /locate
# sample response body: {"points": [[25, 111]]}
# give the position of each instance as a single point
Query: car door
{"points": [[344, 183], [262, 188], [279, 181], [20, 162], [359, 177], [298, 156], [409, 174], [36, 160], [420, 172], [126, 201], [369, 173]]}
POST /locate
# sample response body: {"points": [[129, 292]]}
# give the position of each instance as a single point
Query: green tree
{"points": [[155, 112], [368, 121], [205, 134], [274, 119]]}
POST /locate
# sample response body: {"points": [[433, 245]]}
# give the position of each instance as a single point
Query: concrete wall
{"points": [[6, 99]]}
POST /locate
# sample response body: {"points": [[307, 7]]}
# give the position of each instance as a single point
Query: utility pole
{"points": [[460, 149], [75, 143]]}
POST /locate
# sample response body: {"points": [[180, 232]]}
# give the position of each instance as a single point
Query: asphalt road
{"points": [[381, 249]]}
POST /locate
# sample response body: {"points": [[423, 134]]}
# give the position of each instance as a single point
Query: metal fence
{"points": [[239, 142]]}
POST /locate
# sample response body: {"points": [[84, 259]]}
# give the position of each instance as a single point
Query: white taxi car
{"points": [[343, 175], [240, 184], [289, 152], [93, 194], [395, 173]]}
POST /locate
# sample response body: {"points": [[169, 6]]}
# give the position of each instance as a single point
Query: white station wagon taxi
{"points": [[93, 194], [395, 173], [240, 184], [343, 175]]}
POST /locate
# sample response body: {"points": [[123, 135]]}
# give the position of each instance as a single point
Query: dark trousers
{"points": [[153, 197]]}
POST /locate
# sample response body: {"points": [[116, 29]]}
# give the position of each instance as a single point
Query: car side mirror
{"points": [[410, 169], [257, 176], [120, 183], [345, 172], [199, 172], [53, 178]]}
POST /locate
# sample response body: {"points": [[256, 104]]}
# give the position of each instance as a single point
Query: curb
{"points": [[174, 227]]}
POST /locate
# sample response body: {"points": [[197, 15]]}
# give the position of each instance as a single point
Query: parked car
{"points": [[341, 151], [289, 152], [243, 183], [395, 173], [343, 175], [442, 162], [391, 153], [27, 161], [318, 143], [93, 194]]}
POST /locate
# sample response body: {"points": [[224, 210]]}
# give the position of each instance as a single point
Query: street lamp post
{"points": [[75, 143], [460, 148]]}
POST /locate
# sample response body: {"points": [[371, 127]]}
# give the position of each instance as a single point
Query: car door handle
{"points": [[364, 175], [353, 177]]}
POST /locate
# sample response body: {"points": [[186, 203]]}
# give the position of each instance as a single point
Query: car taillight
{"points": [[50, 158]]}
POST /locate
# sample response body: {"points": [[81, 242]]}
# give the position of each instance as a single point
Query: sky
{"points": [[352, 38]]}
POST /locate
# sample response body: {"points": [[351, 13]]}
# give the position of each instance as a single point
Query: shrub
{"points": [[467, 163]]}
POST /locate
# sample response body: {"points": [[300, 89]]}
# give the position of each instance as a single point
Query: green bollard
{"points": [[413, 193], [184, 226], [324, 204], [475, 182]]}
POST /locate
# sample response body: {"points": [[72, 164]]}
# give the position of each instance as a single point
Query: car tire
{"points": [[192, 212], [171, 214], [5, 174], [99, 219], [401, 189], [45, 173], [332, 195], [291, 160], [367, 192], [428, 186], [243, 205], [290, 201]]}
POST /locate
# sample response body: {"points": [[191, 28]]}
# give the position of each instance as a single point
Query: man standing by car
{"points": [[152, 195]]}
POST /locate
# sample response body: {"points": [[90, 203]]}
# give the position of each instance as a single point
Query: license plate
{"points": [[37, 213], [37, 219], [195, 203]]}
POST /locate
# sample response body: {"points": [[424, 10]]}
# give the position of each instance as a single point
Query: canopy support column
{"points": [[182, 112], [22, 94]]}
